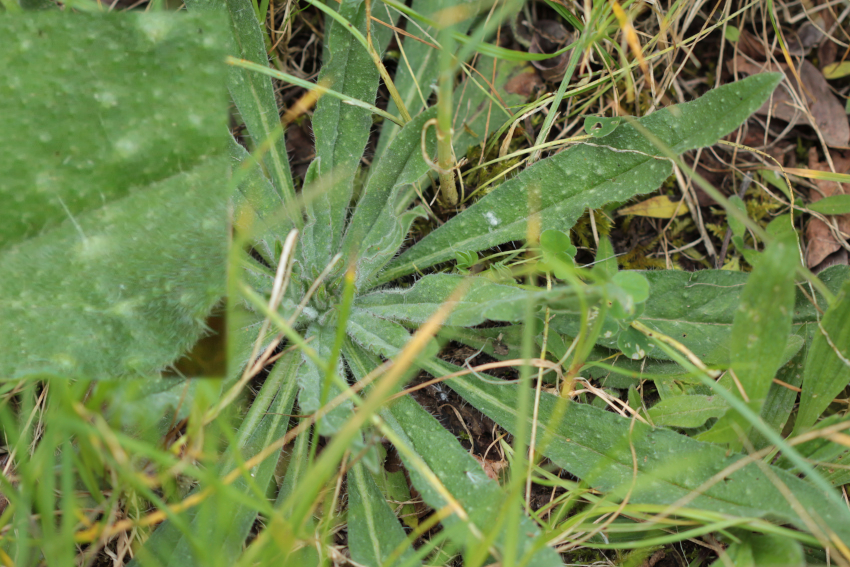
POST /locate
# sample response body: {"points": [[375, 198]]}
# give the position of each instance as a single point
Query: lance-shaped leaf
{"points": [[252, 92], [373, 528], [460, 474], [597, 446], [760, 332], [341, 130], [554, 192], [698, 309], [483, 300], [827, 370], [257, 205], [418, 66], [381, 222]]}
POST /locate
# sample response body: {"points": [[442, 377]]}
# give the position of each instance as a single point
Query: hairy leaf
{"points": [[481, 301], [597, 446], [150, 105], [373, 529], [555, 191], [341, 130], [265, 422], [253, 92], [380, 222], [120, 291]]}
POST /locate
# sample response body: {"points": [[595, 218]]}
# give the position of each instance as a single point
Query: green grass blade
{"points": [[266, 421], [557, 190], [253, 93], [420, 58]]}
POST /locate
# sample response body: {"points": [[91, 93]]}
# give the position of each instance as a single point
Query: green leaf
{"points": [[558, 252], [738, 228], [418, 67], [119, 291], [257, 205], [605, 262], [763, 550], [827, 370], [634, 344], [687, 411], [266, 421], [150, 107], [835, 205], [555, 191], [597, 445], [697, 309], [373, 529], [760, 332], [594, 445], [455, 468], [732, 33], [781, 400], [634, 284], [483, 300], [380, 222], [599, 126], [253, 92], [311, 381], [113, 250], [341, 130]]}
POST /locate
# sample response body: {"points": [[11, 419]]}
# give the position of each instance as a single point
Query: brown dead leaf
{"points": [[524, 84], [660, 207], [821, 240], [491, 468], [827, 111]]}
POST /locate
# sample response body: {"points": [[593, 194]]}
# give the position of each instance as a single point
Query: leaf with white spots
{"points": [[556, 191], [603, 449], [113, 228], [151, 105]]}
